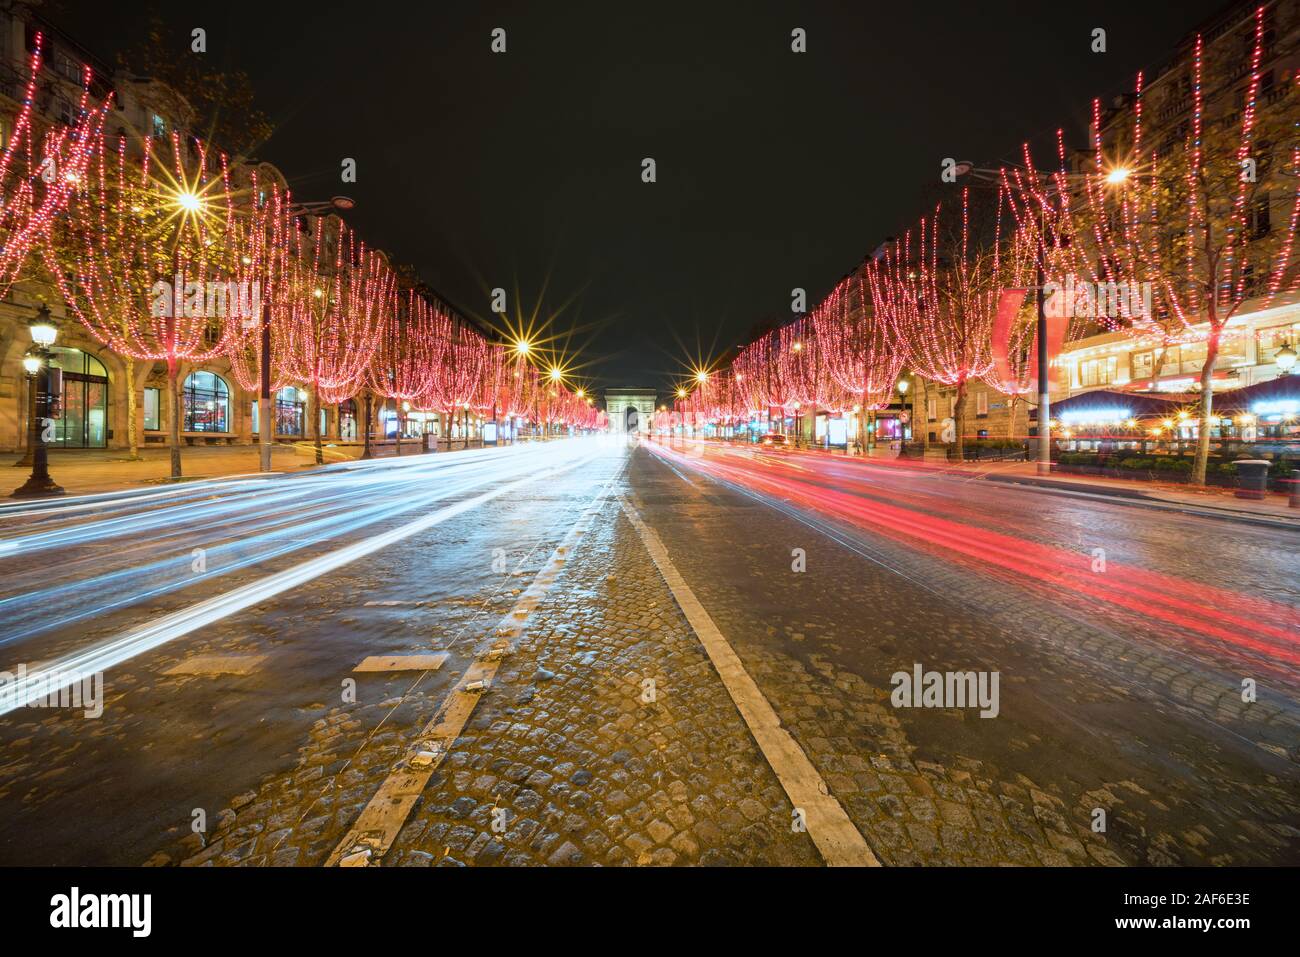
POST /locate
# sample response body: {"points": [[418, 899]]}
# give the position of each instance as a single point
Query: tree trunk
{"points": [[923, 418], [1207, 408], [313, 422], [177, 410], [862, 425], [1012, 401], [959, 419], [397, 436], [132, 411]]}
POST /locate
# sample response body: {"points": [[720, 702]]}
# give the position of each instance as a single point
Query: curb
{"points": [[1136, 497]]}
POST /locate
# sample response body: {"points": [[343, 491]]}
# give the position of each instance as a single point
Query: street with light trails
{"points": [[228, 619]]}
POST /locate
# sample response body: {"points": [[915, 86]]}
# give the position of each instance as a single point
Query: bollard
{"points": [[1252, 478]]}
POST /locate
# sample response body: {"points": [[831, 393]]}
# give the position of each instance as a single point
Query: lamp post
{"points": [[903, 385], [44, 330], [1285, 359]]}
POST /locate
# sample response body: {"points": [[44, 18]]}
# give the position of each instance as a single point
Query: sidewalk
{"points": [[1207, 500], [109, 470], [1273, 508]]}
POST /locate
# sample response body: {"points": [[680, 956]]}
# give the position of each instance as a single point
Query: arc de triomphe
{"points": [[630, 410]]}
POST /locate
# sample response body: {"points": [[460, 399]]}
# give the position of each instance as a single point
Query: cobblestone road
{"points": [[607, 736]]}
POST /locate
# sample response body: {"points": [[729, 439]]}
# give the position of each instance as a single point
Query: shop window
{"points": [[152, 420], [1270, 341], [206, 399], [1093, 372], [83, 422], [290, 404], [348, 420]]}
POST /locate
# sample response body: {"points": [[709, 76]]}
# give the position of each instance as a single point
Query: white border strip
{"points": [[840, 843]]}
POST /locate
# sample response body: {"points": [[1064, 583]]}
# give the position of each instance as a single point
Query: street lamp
{"points": [[44, 330], [1285, 359], [903, 386]]}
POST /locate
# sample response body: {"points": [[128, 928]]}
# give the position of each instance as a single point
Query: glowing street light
{"points": [[44, 330], [190, 202], [1118, 175], [702, 377], [523, 347], [1285, 359]]}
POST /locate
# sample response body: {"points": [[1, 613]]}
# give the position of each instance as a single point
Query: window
{"points": [[289, 406], [1097, 371], [83, 423], [1191, 356], [932, 409], [981, 404], [1142, 365], [151, 422], [207, 403], [348, 420], [1270, 341], [1257, 217], [159, 125]]}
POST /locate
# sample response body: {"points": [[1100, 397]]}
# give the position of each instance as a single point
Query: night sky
{"points": [[775, 169]]}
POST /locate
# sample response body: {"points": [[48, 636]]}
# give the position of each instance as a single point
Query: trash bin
{"points": [[1252, 478]]}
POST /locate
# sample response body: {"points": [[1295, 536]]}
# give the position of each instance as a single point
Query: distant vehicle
{"points": [[774, 440]]}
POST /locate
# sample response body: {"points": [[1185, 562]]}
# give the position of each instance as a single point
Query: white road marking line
{"points": [[840, 843], [124, 647], [217, 665], [382, 819], [426, 662]]}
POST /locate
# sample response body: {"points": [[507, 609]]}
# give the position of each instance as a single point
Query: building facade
{"points": [[95, 408]]}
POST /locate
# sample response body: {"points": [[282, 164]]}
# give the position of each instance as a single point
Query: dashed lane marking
{"points": [[217, 665], [382, 819], [840, 843], [426, 662]]}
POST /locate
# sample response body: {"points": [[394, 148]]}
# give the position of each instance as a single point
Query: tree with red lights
{"points": [[939, 291], [1209, 221], [402, 368], [343, 294], [861, 355], [42, 167], [145, 255]]}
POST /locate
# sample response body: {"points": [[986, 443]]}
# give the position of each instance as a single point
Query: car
{"points": [[774, 440]]}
